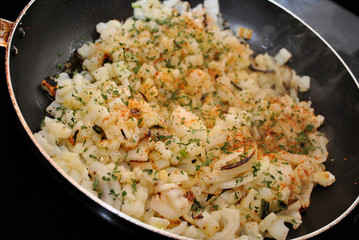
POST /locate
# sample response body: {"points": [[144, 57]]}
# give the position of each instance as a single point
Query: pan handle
{"points": [[5, 29]]}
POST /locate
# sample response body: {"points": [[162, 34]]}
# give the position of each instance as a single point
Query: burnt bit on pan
{"points": [[107, 58], [236, 86], [74, 64], [72, 139], [255, 69], [99, 131], [50, 86], [123, 134], [144, 96]]}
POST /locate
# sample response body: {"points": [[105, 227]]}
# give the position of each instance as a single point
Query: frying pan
{"points": [[33, 50]]}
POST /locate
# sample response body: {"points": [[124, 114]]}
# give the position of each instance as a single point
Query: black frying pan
{"points": [[54, 28]]}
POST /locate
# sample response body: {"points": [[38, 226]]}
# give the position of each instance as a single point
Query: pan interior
{"points": [[54, 29]]}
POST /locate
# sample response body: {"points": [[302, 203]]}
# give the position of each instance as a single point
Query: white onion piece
{"points": [[221, 162], [278, 230], [230, 221], [178, 229], [99, 171], [233, 182]]}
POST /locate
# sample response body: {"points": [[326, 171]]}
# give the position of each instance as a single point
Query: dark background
{"points": [[35, 205], [351, 6]]}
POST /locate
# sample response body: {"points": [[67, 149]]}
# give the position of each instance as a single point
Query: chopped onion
{"points": [[283, 56]]}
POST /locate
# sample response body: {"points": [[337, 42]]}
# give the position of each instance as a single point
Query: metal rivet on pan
{"points": [[21, 33], [14, 51]]}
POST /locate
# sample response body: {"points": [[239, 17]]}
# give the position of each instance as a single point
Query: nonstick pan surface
{"points": [[54, 29]]}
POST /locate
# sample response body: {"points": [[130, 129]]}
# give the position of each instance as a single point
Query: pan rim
{"points": [[107, 206], [356, 81], [356, 202]]}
